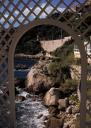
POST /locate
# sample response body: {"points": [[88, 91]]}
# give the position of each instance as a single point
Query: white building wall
{"points": [[88, 49], [52, 45]]}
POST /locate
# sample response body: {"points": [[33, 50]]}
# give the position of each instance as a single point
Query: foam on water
{"points": [[28, 112]]}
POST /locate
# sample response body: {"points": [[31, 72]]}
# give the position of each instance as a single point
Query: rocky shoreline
{"points": [[61, 105], [42, 103], [52, 112]]}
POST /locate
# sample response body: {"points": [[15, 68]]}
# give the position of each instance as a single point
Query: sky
{"points": [[25, 12]]}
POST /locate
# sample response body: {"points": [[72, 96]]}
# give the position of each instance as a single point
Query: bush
{"points": [[72, 84], [65, 53], [53, 68], [68, 87], [60, 69], [75, 99], [59, 74]]}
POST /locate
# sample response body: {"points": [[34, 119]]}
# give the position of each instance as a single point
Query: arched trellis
{"points": [[9, 38], [81, 47]]}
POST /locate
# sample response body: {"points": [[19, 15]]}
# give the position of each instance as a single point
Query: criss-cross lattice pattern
{"points": [[18, 13]]}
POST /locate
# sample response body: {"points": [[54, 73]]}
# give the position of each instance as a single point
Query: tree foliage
{"points": [[60, 69], [29, 47]]}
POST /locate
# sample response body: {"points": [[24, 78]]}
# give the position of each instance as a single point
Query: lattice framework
{"points": [[17, 13]]}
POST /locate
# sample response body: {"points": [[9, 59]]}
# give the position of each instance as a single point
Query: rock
{"points": [[72, 102], [66, 126], [79, 91], [37, 80], [75, 109], [24, 94], [51, 97], [20, 98], [73, 126], [53, 110], [54, 122], [73, 123], [77, 117], [39, 116], [63, 103], [20, 83], [45, 118], [69, 110], [88, 105]]}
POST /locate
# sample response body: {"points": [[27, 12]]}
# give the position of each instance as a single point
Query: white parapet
{"points": [[52, 45]]}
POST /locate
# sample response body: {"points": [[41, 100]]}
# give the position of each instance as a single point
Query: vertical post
{"points": [[83, 92], [11, 92]]}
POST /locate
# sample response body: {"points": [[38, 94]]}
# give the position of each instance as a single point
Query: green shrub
{"points": [[69, 84], [65, 53], [75, 99], [60, 69], [53, 68]]}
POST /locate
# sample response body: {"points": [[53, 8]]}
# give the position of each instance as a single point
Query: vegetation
{"points": [[60, 69], [49, 32], [30, 40], [29, 47], [69, 84], [75, 99]]}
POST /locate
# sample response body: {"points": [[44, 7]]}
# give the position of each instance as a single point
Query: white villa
{"points": [[88, 49]]}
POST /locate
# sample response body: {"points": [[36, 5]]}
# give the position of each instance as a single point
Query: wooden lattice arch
{"points": [[18, 16]]}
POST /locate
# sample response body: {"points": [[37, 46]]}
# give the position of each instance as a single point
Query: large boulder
{"points": [[37, 79], [51, 97], [69, 110], [75, 109], [63, 103]]}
